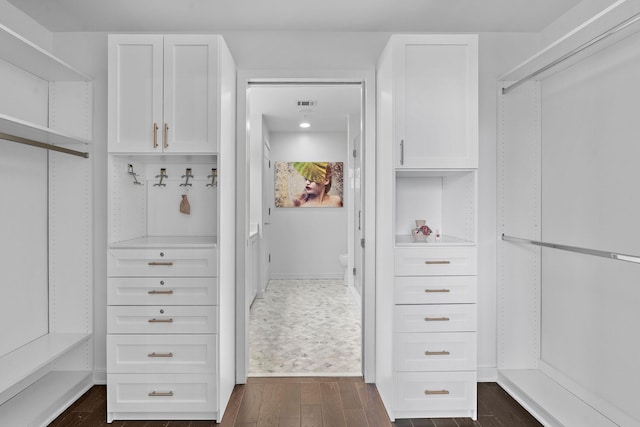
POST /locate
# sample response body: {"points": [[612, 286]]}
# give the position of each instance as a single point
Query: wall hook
{"points": [[163, 175], [134, 175], [214, 178], [187, 175]]}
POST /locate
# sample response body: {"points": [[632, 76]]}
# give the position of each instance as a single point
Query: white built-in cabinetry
{"points": [[568, 263], [426, 290], [46, 356], [170, 314]]}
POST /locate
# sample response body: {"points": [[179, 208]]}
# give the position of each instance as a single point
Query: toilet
{"points": [[344, 262]]}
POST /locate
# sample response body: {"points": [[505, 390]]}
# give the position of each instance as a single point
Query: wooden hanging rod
{"points": [[44, 145], [594, 252]]}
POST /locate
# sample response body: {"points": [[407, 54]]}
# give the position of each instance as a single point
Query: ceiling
{"points": [[295, 15]]}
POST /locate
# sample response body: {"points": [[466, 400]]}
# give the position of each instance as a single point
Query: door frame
{"points": [[366, 77]]}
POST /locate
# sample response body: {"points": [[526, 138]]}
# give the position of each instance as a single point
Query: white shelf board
{"points": [[431, 173], [44, 400], [169, 158], [167, 241], [548, 401], [30, 57], [23, 129], [407, 240], [26, 360], [587, 31]]}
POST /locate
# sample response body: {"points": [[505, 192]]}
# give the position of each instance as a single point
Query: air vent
{"points": [[307, 103]]}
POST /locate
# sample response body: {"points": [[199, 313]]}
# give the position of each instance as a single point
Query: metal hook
{"points": [[214, 178], [187, 175], [163, 175], [134, 175]]}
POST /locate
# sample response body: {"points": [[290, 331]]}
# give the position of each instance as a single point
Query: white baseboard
{"points": [[487, 374], [307, 276], [100, 377]]}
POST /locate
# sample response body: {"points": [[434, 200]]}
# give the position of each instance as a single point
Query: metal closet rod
{"points": [[44, 145], [594, 252], [624, 24]]}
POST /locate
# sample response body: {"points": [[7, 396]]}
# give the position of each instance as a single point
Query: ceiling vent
{"points": [[307, 103]]}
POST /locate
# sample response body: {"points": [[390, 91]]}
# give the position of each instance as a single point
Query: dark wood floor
{"points": [[308, 402]]}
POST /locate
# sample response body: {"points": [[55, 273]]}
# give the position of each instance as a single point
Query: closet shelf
{"points": [[26, 130], [28, 359], [406, 240], [30, 57], [167, 242], [591, 36]]}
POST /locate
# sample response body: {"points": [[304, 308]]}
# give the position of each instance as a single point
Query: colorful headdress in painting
{"points": [[313, 171]]}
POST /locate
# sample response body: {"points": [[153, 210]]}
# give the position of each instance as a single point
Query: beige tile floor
{"points": [[305, 327]]}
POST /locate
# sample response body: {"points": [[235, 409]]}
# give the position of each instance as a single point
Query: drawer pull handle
{"points": [[169, 292], [154, 354], [160, 320], [436, 319], [437, 290], [160, 263], [161, 394], [437, 262], [436, 391], [437, 353]]}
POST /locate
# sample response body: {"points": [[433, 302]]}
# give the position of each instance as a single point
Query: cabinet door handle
{"points": [[166, 136], [402, 152], [160, 263], [161, 394], [154, 354], [154, 320], [167, 292], [437, 290], [437, 353], [155, 135], [437, 262], [436, 319], [436, 391]]}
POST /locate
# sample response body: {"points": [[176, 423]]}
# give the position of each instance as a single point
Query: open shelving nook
{"points": [[562, 348], [44, 369]]}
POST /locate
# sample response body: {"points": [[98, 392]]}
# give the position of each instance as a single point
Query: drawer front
{"points": [[435, 318], [161, 393], [162, 291], [162, 263], [435, 391], [436, 261], [162, 319], [441, 351], [161, 353], [435, 289]]}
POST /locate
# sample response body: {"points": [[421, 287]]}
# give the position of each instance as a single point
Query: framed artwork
{"points": [[308, 184]]}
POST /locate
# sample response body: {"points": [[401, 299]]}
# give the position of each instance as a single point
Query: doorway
{"points": [[272, 138]]}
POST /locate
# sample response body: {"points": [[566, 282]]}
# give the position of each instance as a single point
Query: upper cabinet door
{"points": [[135, 93], [190, 93], [436, 102]]}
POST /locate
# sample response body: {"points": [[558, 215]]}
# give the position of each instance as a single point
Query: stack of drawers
{"points": [[162, 320], [435, 331]]}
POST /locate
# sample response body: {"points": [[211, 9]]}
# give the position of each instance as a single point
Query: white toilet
{"points": [[344, 262]]}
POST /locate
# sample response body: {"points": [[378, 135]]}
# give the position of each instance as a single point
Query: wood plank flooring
{"points": [[308, 402]]}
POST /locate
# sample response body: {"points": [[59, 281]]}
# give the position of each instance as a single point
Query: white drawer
{"points": [[436, 261], [439, 351], [162, 319], [162, 262], [162, 291], [161, 353], [161, 393], [438, 393], [435, 289], [435, 318]]}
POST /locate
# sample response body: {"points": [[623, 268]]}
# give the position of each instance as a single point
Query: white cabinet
{"points": [[435, 95], [427, 287], [170, 256], [163, 93]]}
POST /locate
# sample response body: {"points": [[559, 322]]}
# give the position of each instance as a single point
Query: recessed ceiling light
{"points": [[305, 125]]}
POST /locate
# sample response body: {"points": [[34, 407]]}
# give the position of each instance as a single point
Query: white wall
{"points": [[306, 242]]}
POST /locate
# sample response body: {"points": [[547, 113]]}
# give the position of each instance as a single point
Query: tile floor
{"points": [[305, 327]]}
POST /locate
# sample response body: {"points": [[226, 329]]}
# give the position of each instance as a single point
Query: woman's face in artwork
{"points": [[314, 189]]}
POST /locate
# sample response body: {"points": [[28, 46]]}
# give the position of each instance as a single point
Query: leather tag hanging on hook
{"points": [[185, 207]]}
